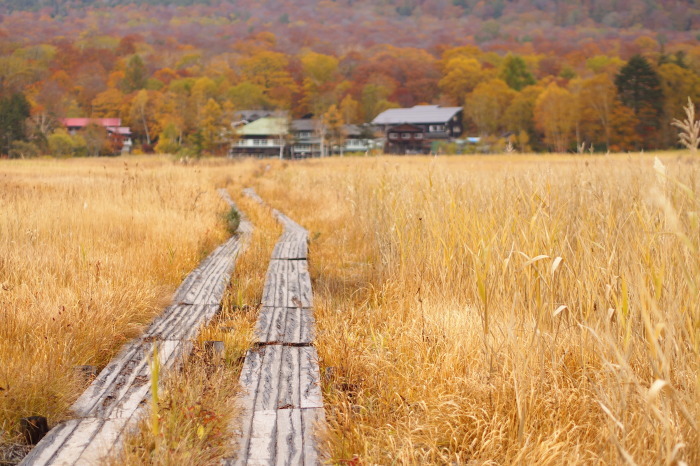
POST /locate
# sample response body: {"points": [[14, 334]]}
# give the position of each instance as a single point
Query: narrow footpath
{"points": [[281, 404]]}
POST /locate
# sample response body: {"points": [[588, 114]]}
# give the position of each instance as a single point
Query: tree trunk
{"points": [[145, 126]]}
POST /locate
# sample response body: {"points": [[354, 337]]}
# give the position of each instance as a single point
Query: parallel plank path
{"points": [[281, 404], [119, 396]]}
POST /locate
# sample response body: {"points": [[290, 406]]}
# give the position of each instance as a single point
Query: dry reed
{"points": [[90, 251], [489, 310], [504, 309]]}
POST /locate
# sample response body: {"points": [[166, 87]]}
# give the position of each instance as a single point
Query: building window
{"points": [[405, 135], [393, 136], [419, 136], [436, 128]]}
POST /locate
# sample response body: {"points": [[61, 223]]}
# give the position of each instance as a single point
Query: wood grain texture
{"points": [[291, 250], [275, 378], [285, 325], [119, 396], [80, 441], [281, 402], [181, 321], [124, 385], [283, 437], [287, 290], [207, 283]]}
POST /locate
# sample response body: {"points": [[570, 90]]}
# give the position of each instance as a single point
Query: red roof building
{"points": [[119, 135]]}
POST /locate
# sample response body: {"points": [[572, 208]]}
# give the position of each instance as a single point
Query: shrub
{"points": [[233, 220], [61, 144], [23, 150]]}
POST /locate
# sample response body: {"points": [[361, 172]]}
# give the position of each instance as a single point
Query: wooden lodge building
{"points": [[264, 137], [415, 130], [296, 139]]}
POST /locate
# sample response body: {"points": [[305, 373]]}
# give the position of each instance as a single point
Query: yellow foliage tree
{"points": [[597, 99], [350, 109], [461, 76], [211, 125], [555, 115], [487, 105], [333, 127]]}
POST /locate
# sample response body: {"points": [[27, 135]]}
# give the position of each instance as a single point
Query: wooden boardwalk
{"points": [[119, 396], [281, 404]]}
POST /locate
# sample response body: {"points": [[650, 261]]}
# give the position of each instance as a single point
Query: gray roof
{"points": [[252, 115], [306, 124], [420, 114], [353, 130]]}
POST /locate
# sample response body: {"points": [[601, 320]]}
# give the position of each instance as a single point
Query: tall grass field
{"points": [[470, 310]]}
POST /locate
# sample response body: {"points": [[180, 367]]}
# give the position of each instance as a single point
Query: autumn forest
{"points": [[547, 75]]}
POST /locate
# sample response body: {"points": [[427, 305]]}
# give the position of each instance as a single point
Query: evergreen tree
{"points": [[135, 76], [515, 73], [14, 111], [639, 88]]}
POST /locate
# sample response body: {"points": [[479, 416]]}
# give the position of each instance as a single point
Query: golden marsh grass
{"points": [[90, 251], [496, 310], [504, 309]]}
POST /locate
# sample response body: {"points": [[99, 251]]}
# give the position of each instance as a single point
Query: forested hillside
{"points": [[679, 15], [546, 74]]}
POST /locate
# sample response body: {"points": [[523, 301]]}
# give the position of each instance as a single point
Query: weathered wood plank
{"points": [[50, 445], [282, 400], [119, 394], [285, 325], [294, 250], [294, 236], [181, 322], [269, 384], [288, 267], [249, 379], [207, 283], [124, 385], [313, 422], [310, 395], [105, 441], [281, 377], [287, 290], [282, 437], [79, 442], [261, 450], [290, 437], [250, 192]]}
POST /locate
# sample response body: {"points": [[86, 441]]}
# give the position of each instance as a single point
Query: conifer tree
{"points": [[14, 111], [639, 88]]}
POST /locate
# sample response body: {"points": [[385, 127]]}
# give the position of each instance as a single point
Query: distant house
{"points": [[265, 137], [119, 135], [243, 117], [415, 130], [359, 138], [307, 140], [297, 139]]}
